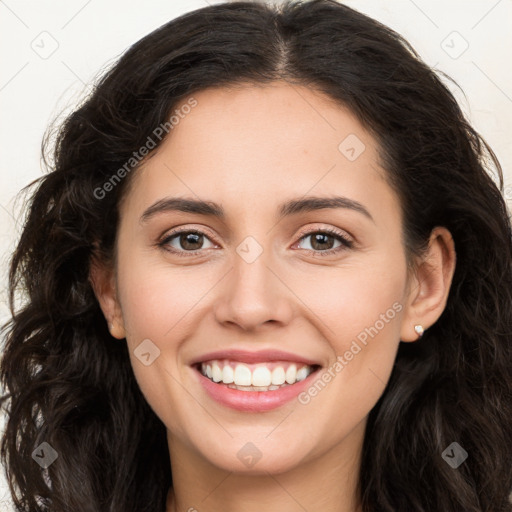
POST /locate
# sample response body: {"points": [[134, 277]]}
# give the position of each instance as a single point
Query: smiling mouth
{"points": [[268, 376]]}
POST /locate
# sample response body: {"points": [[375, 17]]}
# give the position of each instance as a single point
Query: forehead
{"points": [[255, 145]]}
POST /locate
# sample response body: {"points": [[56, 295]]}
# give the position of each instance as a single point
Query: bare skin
{"points": [[250, 149]]}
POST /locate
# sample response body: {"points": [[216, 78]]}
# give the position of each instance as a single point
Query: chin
{"points": [[255, 458]]}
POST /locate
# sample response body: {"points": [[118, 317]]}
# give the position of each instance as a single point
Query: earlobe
{"points": [[428, 296], [104, 286]]}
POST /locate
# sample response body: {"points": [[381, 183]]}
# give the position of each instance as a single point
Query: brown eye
{"points": [[322, 241], [179, 242]]}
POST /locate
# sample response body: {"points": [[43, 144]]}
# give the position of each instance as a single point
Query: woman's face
{"points": [[256, 279]]}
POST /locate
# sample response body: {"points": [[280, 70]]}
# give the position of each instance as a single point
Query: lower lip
{"points": [[253, 401]]}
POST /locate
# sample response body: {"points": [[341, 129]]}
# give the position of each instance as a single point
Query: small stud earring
{"points": [[419, 330]]}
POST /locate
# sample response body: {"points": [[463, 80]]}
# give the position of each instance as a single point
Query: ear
{"points": [[102, 279], [429, 287]]}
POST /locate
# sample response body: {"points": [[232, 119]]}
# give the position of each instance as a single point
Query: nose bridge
{"points": [[252, 278], [254, 294], [252, 264]]}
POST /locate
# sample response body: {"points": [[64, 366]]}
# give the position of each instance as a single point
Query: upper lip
{"points": [[261, 356]]}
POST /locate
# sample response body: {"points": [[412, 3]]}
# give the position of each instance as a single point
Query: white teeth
{"points": [[302, 374], [228, 375], [261, 378], [242, 376], [216, 372], [291, 374], [278, 376], [254, 388]]}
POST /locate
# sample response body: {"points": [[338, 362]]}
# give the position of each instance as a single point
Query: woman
{"points": [[267, 271]]}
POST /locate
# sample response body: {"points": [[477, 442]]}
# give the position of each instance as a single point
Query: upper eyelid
{"points": [[178, 231], [329, 229]]}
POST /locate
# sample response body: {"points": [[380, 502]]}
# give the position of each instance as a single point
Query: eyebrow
{"points": [[291, 207]]}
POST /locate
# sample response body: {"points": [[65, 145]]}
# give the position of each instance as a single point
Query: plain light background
{"points": [[53, 50]]}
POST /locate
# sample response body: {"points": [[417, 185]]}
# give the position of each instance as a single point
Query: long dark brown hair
{"points": [[71, 385]]}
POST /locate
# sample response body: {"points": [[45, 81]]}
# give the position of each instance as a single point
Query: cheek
{"points": [[363, 319], [358, 308], [156, 299], [158, 306], [353, 299]]}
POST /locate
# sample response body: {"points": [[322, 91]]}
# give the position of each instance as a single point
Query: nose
{"points": [[253, 295]]}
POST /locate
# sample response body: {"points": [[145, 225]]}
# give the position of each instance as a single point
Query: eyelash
{"points": [[346, 243]]}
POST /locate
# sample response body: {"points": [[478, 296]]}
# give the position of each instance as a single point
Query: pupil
{"points": [[320, 238], [190, 239]]}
